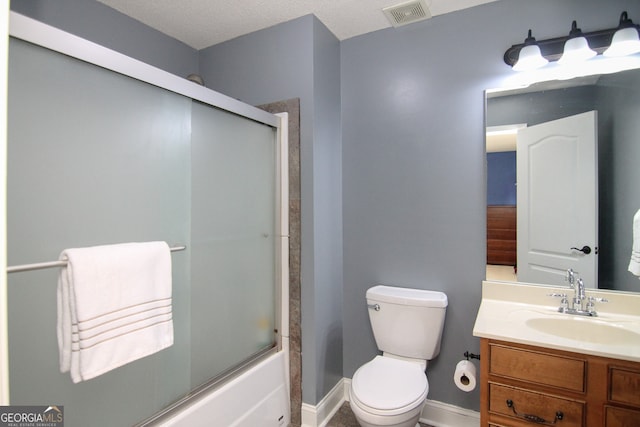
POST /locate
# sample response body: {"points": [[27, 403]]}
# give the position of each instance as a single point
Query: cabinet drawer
{"points": [[620, 417], [625, 386], [538, 368], [530, 403]]}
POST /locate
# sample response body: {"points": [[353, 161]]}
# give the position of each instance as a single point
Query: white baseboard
{"points": [[437, 414], [440, 414], [320, 414]]}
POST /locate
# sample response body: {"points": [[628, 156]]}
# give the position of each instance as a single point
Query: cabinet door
{"points": [[625, 387], [620, 417]]}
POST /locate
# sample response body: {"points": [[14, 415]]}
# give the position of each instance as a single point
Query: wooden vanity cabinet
{"points": [[524, 385], [623, 406]]}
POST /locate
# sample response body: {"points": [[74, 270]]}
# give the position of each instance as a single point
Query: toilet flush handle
{"points": [[376, 307]]}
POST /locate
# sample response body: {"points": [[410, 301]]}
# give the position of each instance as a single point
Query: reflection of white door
{"points": [[557, 200]]}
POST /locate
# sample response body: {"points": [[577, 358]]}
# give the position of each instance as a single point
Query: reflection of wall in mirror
{"points": [[616, 97], [501, 178], [501, 215]]}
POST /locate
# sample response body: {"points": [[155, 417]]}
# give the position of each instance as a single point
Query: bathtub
{"points": [[257, 397]]}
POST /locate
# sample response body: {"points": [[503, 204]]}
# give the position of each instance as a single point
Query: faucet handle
{"points": [[557, 295], [570, 277], [591, 304], [564, 302]]}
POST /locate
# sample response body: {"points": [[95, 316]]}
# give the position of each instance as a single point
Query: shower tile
{"points": [[292, 106]]}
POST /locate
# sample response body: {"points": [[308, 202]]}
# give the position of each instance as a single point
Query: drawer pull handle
{"points": [[534, 418]]}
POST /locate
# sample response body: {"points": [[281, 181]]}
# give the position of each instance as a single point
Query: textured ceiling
{"points": [[203, 23]]}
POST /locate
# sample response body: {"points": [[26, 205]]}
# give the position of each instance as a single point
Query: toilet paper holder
{"points": [[464, 375], [471, 355]]}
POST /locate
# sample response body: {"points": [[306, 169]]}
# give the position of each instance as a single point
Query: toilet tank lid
{"points": [[406, 296]]}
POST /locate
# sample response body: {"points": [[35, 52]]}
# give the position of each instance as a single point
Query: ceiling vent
{"points": [[407, 13]]}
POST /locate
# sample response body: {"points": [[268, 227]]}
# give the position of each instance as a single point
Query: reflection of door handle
{"points": [[585, 250]]}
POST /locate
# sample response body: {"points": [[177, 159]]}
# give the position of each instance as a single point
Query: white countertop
{"points": [[526, 314]]}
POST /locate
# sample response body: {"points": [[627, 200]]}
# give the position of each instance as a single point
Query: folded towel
{"points": [[634, 264], [114, 306]]}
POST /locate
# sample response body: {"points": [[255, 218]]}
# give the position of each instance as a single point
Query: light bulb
{"points": [[625, 42], [576, 50], [530, 58]]}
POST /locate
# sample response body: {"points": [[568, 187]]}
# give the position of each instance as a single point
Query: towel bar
{"points": [[52, 264]]}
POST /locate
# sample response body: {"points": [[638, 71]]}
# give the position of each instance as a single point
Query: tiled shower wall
{"points": [[292, 106]]}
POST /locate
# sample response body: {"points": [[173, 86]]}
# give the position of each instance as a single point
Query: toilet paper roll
{"points": [[465, 375]]}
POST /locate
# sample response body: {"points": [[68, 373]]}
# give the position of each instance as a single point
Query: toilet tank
{"points": [[407, 322]]}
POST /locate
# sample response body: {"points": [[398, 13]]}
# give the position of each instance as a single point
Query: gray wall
{"points": [[413, 186], [94, 21], [328, 257]]}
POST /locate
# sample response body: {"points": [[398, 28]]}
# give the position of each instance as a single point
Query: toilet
{"points": [[407, 324]]}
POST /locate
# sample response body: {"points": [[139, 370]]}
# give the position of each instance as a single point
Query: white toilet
{"points": [[407, 324]]}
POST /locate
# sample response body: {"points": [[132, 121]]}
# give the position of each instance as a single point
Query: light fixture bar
{"points": [[552, 49]]}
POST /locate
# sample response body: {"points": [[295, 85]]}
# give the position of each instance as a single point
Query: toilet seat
{"points": [[387, 386]]}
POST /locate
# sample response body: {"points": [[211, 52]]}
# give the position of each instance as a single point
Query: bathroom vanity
{"points": [[524, 385], [541, 367]]}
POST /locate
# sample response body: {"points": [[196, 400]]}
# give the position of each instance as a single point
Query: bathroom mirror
{"points": [[615, 98]]}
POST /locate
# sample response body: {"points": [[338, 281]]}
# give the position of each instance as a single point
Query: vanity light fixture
{"points": [[577, 46]]}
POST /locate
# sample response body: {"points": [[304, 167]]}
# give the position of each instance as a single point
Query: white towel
{"points": [[114, 306], [634, 264]]}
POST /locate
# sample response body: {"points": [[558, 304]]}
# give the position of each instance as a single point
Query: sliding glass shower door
{"points": [[96, 157], [233, 205]]}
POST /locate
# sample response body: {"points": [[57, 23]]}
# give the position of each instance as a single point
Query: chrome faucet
{"points": [[579, 296], [580, 304]]}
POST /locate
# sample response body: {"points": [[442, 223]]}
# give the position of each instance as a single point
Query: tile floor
{"points": [[345, 418]]}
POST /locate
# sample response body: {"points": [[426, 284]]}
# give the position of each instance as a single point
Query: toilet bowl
{"points": [[388, 392], [391, 389]]}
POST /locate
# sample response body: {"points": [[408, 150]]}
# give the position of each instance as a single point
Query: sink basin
{"points": [[583, 330], [525, 314]]}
